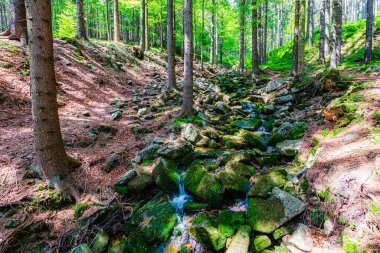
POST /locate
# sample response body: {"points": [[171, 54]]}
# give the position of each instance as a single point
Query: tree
{"points": [[369, 32], [81, 30], [170, 44], [50, 152], [255, 53], [116, 21], [241, 41], [187, 100], [17, 24], [142, 26], [202, 34], [336, 33], [265, 33], [296, 39], [298, 66], [322, 34], [213, 43], [310, 23], [108, 21], [146, 27]]}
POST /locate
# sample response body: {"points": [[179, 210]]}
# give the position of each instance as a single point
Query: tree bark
{"points": [[81, 29], [17, 25], [322, 59], [212, 58], [116, 21], [187, 101], [265, 33], [108, 21], [241, 40], [336, 33], [50, 152], [255, 53], [202, 34], [369, 32], [301, 39], [327, 28], [142, 26], [170, 44], [296, 39], [310, 23], [146, 27]]}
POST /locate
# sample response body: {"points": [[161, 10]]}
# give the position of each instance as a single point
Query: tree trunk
{"points": [[116, 21], [142, 26], [336, 32], [108, 21], [18, 20], [255, 54], [216, 33], [301, 39], [296, 39], [265, 33], [327, 28], [170, 44], [281, 30], [187, 101], [369, 32], [212, 58], [259, 30], [50, 152], [310, 23], [322, 59], [202, 34], [241, 41], [146, 27], [81, 30]]}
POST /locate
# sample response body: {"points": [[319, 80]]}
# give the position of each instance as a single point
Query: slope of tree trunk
{"points": [[301, 38], [170, 44], [212, 56], [50, 152], [146, 27], [369, 32]]}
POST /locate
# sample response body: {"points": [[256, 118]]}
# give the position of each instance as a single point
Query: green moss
{"points": [[249, 124], [229, 221], [262, 242], [264, 215], [79, 209], [264, 184], [194, 207], [317, 217], [349, 245], [165, 175], [193, 119]]}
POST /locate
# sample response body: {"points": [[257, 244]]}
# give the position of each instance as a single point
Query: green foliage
{"points": [[325, 194], [349, 245], [195, 119], [66, 21], [79, 209]]}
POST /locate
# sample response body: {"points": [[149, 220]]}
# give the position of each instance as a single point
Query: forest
{"points": [[190, 126]]}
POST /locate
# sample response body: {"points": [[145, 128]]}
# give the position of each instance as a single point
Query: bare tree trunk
{"points": [[202, 34], [301, 39], [265, 33], [241, 41], [310, 23], [50, 152], [255, 54], [142, 26], [81, 30], [281, 30], [296, 44], [327, 28], [369, 32], [108, 21], [187, 101], [116, 21], [171, 53], [336, 33], [212, 58], [216, 33], [146, 27], [18, 20], [322, 59]]}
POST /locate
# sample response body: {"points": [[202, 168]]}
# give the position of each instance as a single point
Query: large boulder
{"points": [[204, 185], [240, 241], [253, 139], [264, 184], [274, 85], [235, 176], [249, 124], [190, 133], [206, 234], [232, 141], [210, 132], [281, 133], [165, 174], [178, 150], [134, 181], [266, 215], [147, 153], [290, 147], [229, 221], [155, 220]]}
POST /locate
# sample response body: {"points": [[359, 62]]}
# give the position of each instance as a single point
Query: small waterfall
{"points": [[262, 127]]}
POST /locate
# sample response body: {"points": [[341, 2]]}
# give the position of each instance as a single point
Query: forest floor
{"points": [[90, 77]]}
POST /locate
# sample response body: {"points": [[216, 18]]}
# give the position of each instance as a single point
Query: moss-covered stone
{"points": [[118, 246], [133, 181], [206, 234], [232, 141], [235, 176], [204, 185], [249, 124], [176, 149], [240, 241], [194, 207], [100, 242], [280, 232], [165, 175], [261, 242], [82, 248], [229, 221], [155, 220], [265, 183], [254, 140]]}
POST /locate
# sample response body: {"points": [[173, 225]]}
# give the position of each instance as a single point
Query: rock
{"points": [[190, 133], [86, 114], [206, 234], [235, 176], [176, 149], [65, 62], [232, 141], [111, 163], [210, 132], [194, 207], [248, 124], [204, 185], [281, 134], [261, 242], [265, 183], [274, 85], [143, 111], [328, 227], [290, 147], [155, 220], [133, 181], [373, 69], [284, 99], [266, 215], [280, 232], [12, 223], [100, 242], [82, 248], [229, 221], [165, 175], [116, 114], [221, 107], [301, 238], [269, 109], [203, 142], [158, 140], [213, 144], [147, 153], [254, 140], [240, 241]]}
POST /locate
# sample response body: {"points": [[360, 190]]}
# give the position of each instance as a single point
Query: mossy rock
{"points": [[240, 241], [232, 141], [280, 232], [82, 248], [254, 140], [261, 242], [229, 221], [235, 176], [165, 175], [249, 124], [269, 159], [133, 181], [204, 185], [206, 234], [100, 242], [265, 183], [194, 207], [156, 219], [118, 246]]}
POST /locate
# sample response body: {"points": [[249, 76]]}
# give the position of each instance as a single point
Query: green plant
{"points": [[147, 162], [349, 245], [325, 194], [79, 209], [195, 119]]}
